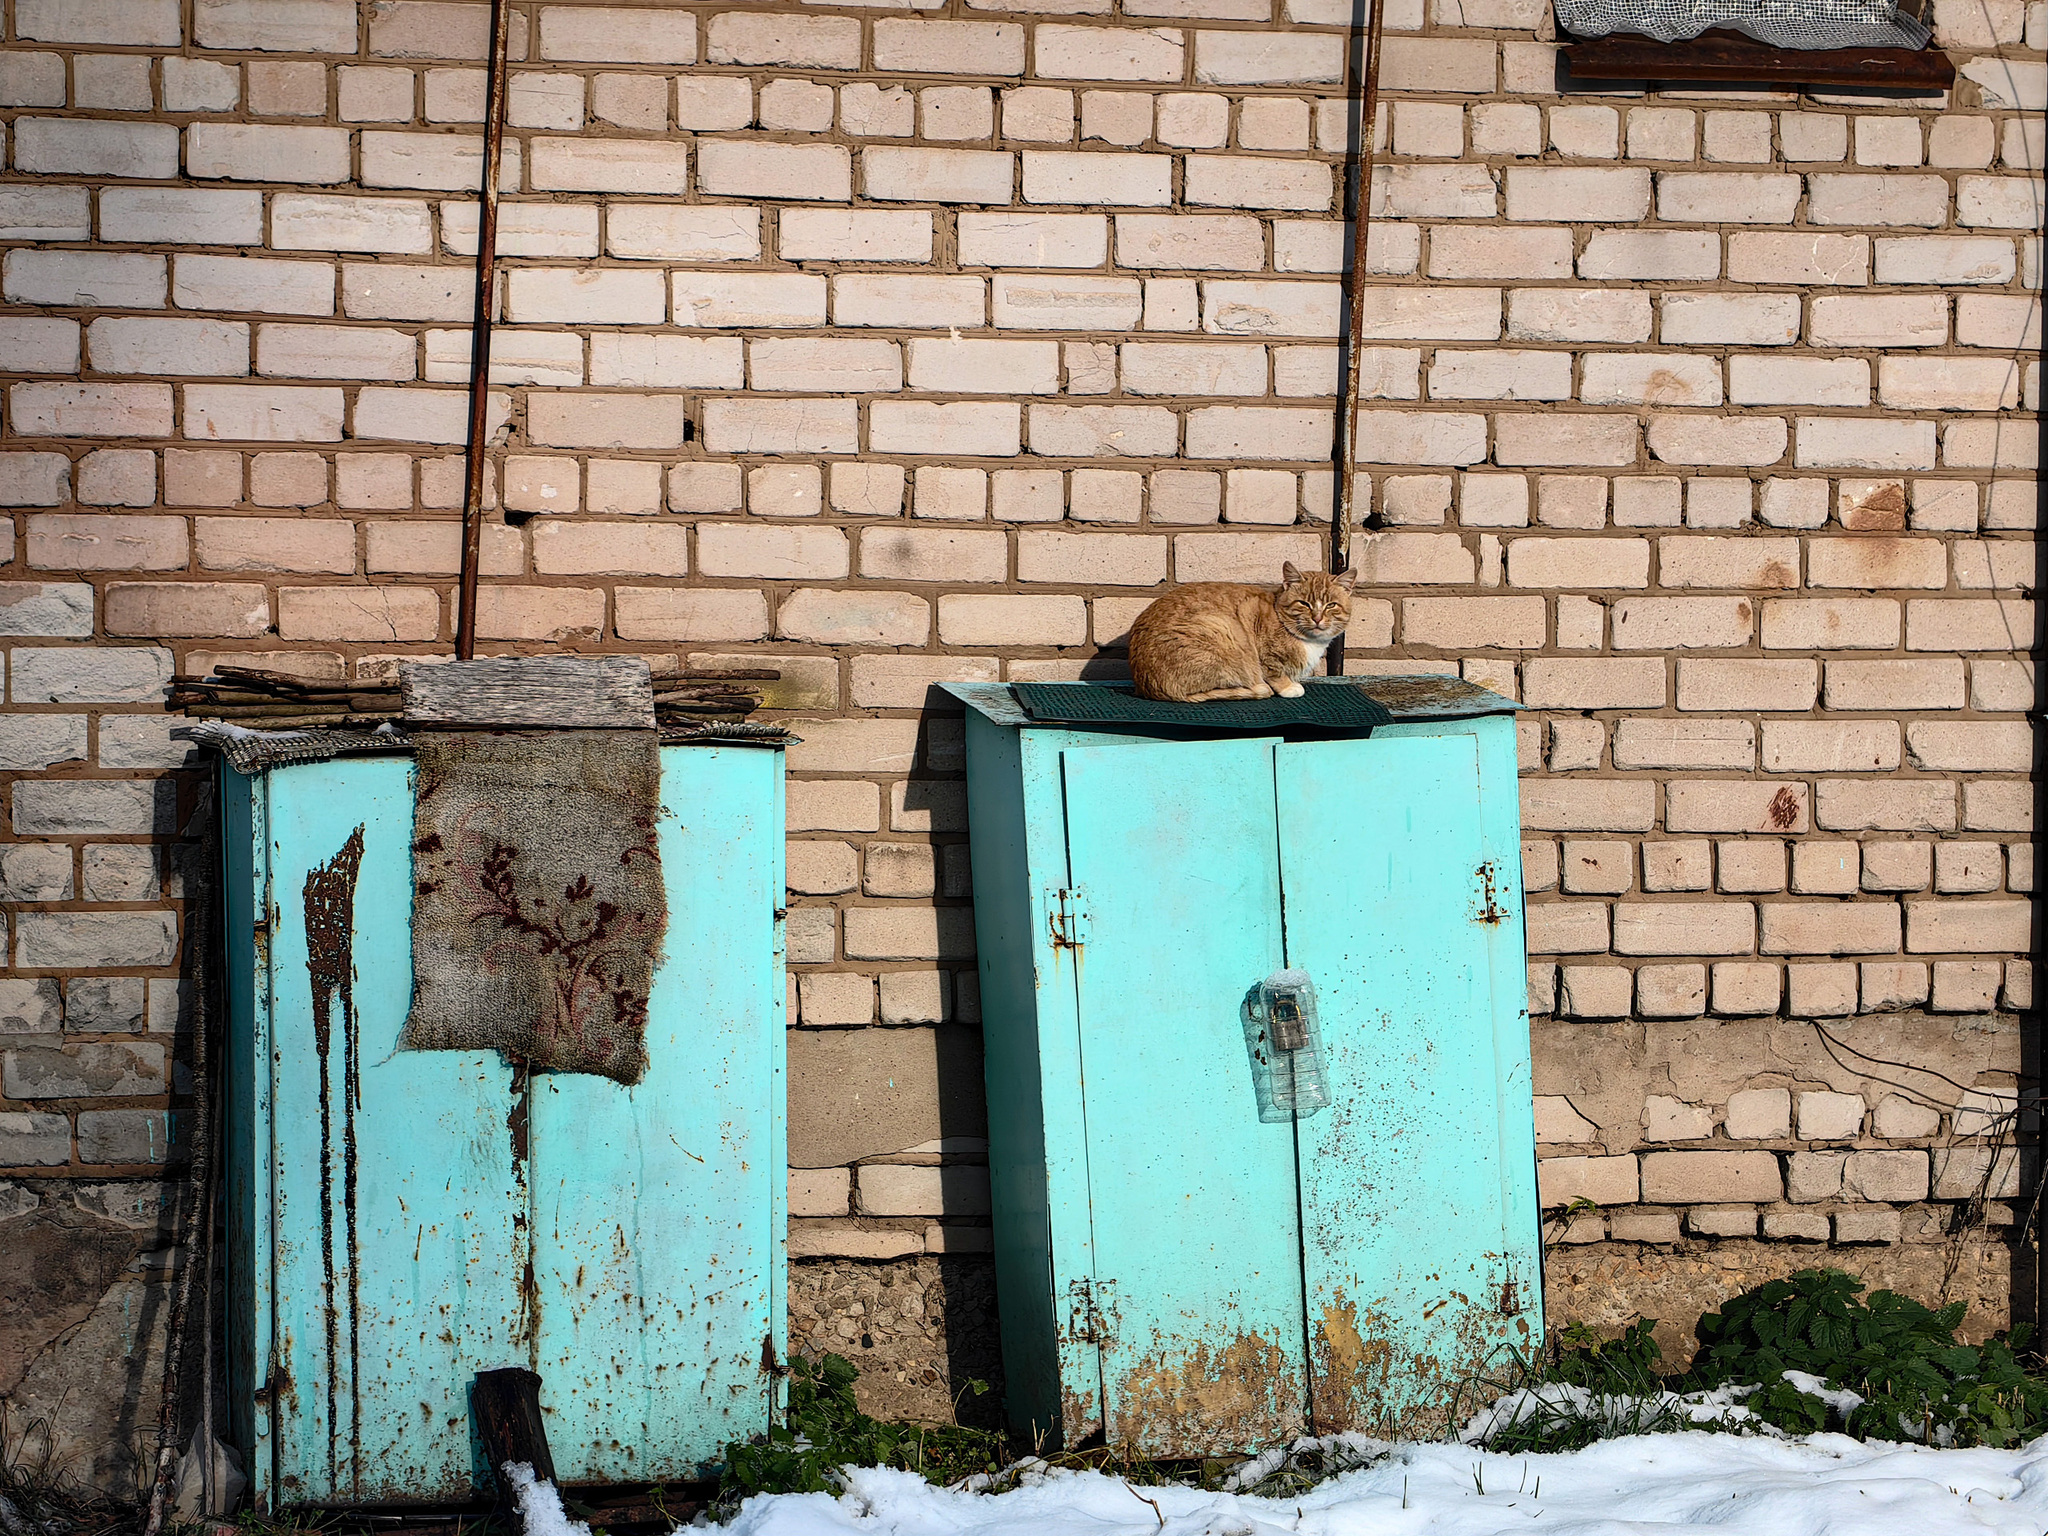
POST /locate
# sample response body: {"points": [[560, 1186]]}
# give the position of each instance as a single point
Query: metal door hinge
{"points": [[1067, 917], [1091, 1311], [1490, 912]]}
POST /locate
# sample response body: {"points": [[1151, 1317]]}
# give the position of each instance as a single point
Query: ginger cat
{"points": [[1225, 640]]}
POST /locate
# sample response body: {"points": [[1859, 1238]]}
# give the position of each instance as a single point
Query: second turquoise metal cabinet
{"points": [[1177, 1275], [399, 1220]]}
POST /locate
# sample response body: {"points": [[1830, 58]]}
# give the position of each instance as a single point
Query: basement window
{"points": [[1775, 42]]}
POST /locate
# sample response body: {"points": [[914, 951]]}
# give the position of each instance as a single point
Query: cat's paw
{"points": [[1289, 689]]}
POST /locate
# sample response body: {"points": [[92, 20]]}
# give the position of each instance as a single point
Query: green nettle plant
{"points": [[1899, 1356]]}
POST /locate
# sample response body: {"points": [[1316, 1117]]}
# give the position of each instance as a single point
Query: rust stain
{"points": [[1784, 810], [329, 897], [1776, 573], [1375, 1376], [1236, 1397], [1882, 509]]}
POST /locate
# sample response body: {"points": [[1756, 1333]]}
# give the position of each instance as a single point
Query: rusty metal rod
{"points": [[480, 338], [1344, 514]]}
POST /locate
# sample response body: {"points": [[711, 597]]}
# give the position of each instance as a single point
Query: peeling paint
{"points": [[1240, 1396]]}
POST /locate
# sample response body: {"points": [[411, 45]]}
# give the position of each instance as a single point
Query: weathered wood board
{"points": [[562, 692]]}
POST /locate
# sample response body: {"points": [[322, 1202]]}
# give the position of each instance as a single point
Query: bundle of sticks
{"points": [[276, 701]]}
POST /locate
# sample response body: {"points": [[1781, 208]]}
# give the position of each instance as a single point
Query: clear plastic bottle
{"points": [[1284, 1038]]}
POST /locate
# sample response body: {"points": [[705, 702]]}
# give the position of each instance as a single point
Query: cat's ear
{"points": [[1288, 574], [1348, 580]]}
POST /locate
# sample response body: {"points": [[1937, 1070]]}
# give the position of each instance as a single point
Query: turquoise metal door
{"points": [[401, 1220], [1416, 1268], [395, 1220], [1173, 910], [657, 1324]]}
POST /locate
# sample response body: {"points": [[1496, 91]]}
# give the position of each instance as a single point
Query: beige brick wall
{"points": [[893, 346]]}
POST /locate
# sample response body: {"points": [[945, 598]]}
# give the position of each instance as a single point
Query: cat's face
{"points": [[1314, 604]]}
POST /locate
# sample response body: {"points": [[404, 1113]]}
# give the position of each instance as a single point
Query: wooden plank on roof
{"points": [[538, 692]]}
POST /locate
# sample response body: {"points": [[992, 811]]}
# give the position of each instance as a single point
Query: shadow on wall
{"points": [[85, 1294]]}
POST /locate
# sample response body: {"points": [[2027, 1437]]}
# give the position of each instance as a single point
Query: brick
{"points": [[985, 367], [1113, 180], [1717, 440], [1807, 624], [1657, 255], [1897, 320], [1167, 242], [937, 175], [751, 299], [609, 35], [1547, 194], [1652, 379], [1716, 684], [253, 285], [45, 213], [86, 940], [817, 364], [1054, 302], [183, 216], [1684, 1178], [1500, 252], [610, 165], [1830, 928], [135, 345], [317, 222], [84, 279], [622, 549], [756, 168], [1732, 806], [281, 26], [1948, 383], [1877, 200], [932, 554], [1602, 1180], [102, 808], [1594, 991], [272, 152], [1096, 559], [103, 675], [1968, 927], [1239, 432], [1681, 623], [774, 426], [1446, 65], [873, 299], [861, 234], [2000, 202], [600, 297], [1947, 260], [1103, 53], [1033, 239], [326, 545], [77, 147], [1726, 197], [1972, 747], [1486, 375], [90, 410], [34, 479], [1891, 686]]}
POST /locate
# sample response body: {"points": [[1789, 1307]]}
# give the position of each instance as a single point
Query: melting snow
{"points": [[1640, 1485]]}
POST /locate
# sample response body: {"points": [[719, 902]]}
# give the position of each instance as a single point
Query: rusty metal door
{"points": [[1195, 1303], [1404, 903], [401, 1220]]}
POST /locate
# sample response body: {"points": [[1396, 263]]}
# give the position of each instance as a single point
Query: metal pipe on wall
{"points": [[480, 338], [1343, 514]]}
